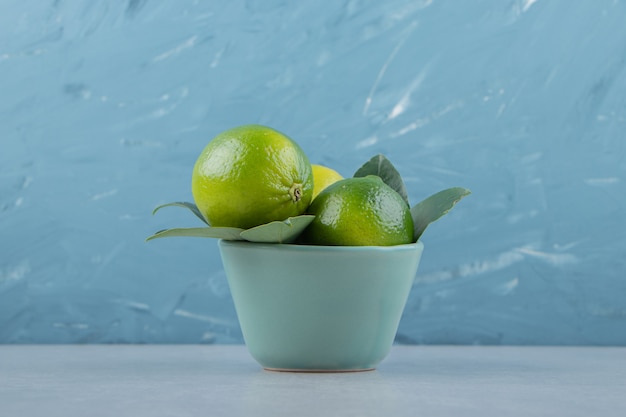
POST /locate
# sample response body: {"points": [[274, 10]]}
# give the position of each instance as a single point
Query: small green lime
{"points": [[359, 212]]}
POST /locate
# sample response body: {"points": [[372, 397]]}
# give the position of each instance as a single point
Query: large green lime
{"points": [[251, 175]]}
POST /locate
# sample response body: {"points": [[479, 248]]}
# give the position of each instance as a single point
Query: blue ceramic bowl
{"points": [[319, 308]]}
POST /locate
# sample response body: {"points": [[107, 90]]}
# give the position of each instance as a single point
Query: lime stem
{"points": [[296, 192]]}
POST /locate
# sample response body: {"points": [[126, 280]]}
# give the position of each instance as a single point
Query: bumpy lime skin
{"points": [[251, 175], [359, 212]]}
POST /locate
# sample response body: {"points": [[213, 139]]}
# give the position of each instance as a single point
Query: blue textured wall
{"points": [[105, 105]]}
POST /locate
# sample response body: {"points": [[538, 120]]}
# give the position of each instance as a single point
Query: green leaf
{"points": [[191, 206], [227, 233], [435, 206], [279, 231], [379, 165]]}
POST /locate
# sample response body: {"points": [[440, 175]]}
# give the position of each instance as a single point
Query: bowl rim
{"points": [[416, 246]]}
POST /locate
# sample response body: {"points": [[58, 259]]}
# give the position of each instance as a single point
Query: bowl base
{"points": [[318, 371]]}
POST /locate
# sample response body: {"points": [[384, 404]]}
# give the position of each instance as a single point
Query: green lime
{"points": [[359, 212], [251, 175]]}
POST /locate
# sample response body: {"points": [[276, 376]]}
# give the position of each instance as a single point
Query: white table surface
{"points": [[182, 380]]}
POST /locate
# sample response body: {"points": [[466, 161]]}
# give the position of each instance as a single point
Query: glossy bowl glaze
{"points": [[319, 308]]}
